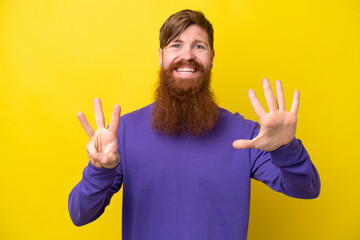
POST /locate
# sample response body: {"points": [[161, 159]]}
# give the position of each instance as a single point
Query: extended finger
{"points": [[259, 110], [269, 96], [99, 116], [85, 124], [279, 95], [296, 102], [115, 119]]}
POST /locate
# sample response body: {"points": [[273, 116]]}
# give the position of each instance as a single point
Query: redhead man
{"points": [[184, 163]]}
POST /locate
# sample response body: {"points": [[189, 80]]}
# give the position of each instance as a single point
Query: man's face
{"points": [[187, 57]]}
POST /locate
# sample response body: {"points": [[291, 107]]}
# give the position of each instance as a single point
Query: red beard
{"points": [[184, 106]]}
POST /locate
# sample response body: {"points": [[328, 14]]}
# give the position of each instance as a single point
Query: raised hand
{"points": [[102, 148], [277, 127]]}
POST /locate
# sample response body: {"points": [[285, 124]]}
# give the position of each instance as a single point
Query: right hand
{"points": [[102, 148]]}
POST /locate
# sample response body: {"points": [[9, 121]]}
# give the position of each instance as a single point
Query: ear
{"points": [[212, 56], [160, 56]]}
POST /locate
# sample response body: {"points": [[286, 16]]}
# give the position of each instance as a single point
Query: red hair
{"points": [[179, 21]]}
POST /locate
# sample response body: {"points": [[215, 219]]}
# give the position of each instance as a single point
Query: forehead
{"points": [[193, 33]]}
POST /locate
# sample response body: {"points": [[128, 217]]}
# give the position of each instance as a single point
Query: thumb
{"points": [[242, 144]]}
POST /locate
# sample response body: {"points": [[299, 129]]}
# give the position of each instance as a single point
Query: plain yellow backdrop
{"points": [[56, 56]]}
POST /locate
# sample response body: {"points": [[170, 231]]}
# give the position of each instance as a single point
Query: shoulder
{"points": [[138, 120], [237, 123], [139, 114], [235, 118]]}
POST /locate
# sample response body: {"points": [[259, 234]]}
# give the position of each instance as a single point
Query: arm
{"points": [[88, 199], [103, 176], [288, 170]]}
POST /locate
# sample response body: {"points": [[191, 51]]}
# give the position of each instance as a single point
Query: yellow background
{"points": [[56, 56]]}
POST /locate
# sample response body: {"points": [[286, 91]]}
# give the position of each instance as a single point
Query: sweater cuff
{"points": [[287, 155], [99, 175]]}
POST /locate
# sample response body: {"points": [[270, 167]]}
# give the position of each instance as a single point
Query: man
{"points": [[183, 175]]}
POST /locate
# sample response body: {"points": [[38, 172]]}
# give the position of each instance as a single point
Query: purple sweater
{"points": [[189, 188]]}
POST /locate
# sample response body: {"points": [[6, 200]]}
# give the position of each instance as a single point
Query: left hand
{"points": [[277, 127]]}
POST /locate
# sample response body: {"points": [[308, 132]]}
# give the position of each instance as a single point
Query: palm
{"points": [[103, 145], [105, 142], [278, 126]]}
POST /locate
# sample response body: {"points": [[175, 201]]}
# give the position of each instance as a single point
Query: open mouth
{"points": [[186, 70]]}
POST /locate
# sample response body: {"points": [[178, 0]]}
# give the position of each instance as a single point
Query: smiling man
{"points": [[184, 102], [184, 163]]}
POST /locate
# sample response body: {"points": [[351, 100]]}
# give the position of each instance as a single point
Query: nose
{"points": [[188, 54]]}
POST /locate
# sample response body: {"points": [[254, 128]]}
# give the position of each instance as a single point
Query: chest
{"points": [[185, 164]]}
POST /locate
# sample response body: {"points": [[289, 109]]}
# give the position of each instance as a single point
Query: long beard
{"points": [[184, 106]]}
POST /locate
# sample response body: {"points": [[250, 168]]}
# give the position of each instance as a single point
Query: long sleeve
{"points": [[88, 199], [288, 170]]}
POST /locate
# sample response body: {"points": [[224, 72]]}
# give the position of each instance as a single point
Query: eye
{"points": [[199, 47], [175, 45]]}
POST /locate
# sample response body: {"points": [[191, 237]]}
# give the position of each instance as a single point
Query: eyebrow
{"points": [[195, 41], [199, 41]]}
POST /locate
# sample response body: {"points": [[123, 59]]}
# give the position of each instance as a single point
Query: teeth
{"points": [[192, 70]]}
